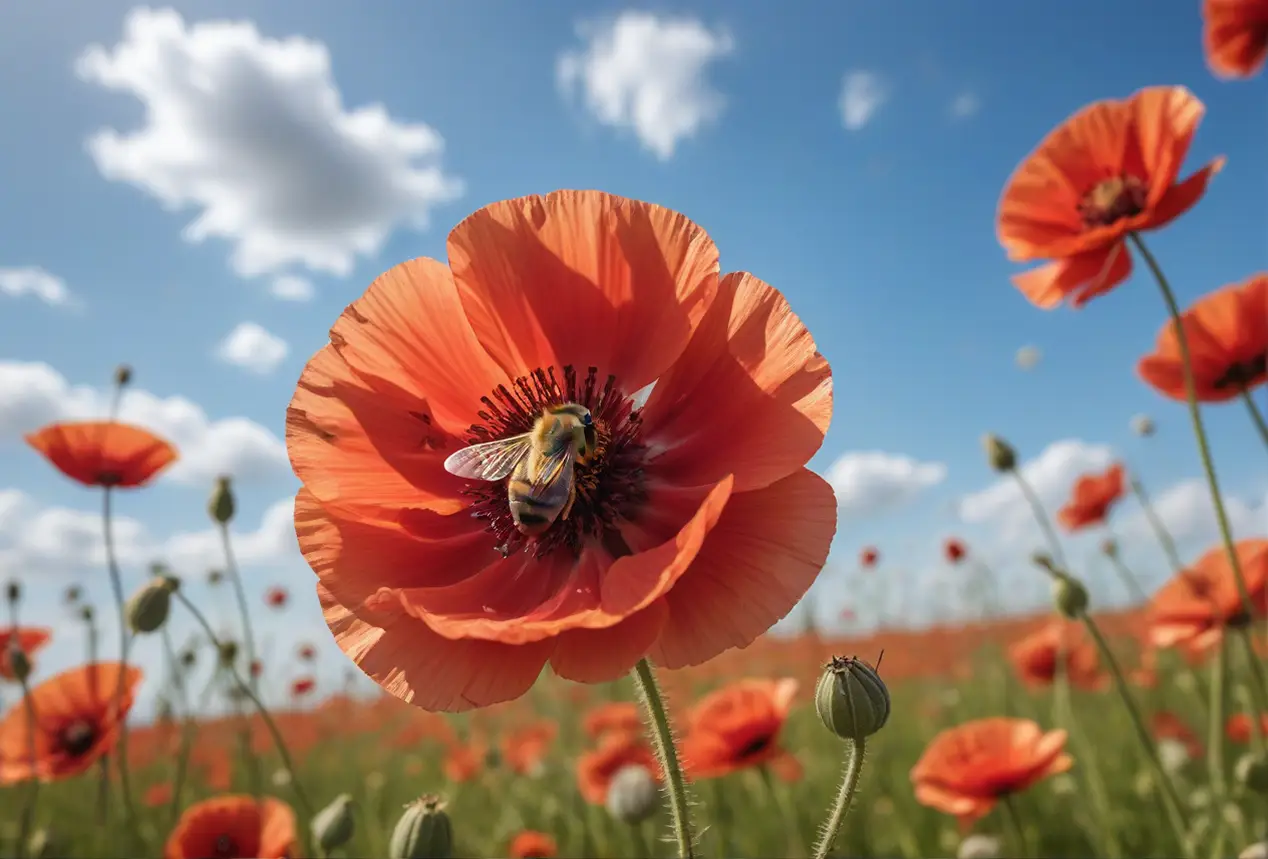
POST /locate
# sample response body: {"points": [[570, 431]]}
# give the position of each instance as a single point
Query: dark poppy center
{"points": [[756, 746], [1113, 200], [224, 847], [1244, 374], [76, 738], [608, 483]]}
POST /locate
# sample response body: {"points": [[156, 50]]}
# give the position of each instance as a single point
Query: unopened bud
{"points": [[1252, 772], [980, 846], [42, 845], [122, 375], [148, 608], [86, 613], [19, 662], [221, 505], [423, 832], [334, 825], [215, 577], [999, 453], [228, 652], [1109, 547], [851, 698], [1068, 595], [633, 795], [13, 593]]}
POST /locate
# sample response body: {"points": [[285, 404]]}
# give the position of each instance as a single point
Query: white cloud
{"points": [[862, 94], [647, 74], [871, 481], [34, 394], [290, 287], [1188, 515], [253, 134], [35, 281], [965, 105], [252, 348]]}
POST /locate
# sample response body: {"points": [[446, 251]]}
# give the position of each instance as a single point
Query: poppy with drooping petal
{"points": [[530, 844], [1109, 170], [1235, 36], [1227, 331], [737, 727], [1058, 647], [76, 723], [596, 767], [103, 453], [1196, 605], [27, 639], [966, 769], [234, 827], [1091, 499], [696, 525]]}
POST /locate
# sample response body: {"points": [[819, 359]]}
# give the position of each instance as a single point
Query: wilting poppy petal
{"points": [[1235, 36], [757, 563], [583, 278], [753, 369], [103, 453]]}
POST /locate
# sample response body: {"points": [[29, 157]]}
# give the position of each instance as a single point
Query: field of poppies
{"points": [[490, 489]]}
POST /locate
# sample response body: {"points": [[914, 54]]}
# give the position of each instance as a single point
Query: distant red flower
{"points": [[1059, 645], [596, 768], [737, 727], [27, 639], [103, 453], [276, 597], [1091, 499], [1235, 36], [464, 761], [615, 717], [256, 668], [303, 686], [157, 795], [532, 845], [230, 827], [307, 652], [869, 557], [953, 550], [1168, 726], [524, 751], [1238, 727]]}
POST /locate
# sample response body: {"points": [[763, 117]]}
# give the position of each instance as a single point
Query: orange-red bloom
{"points": [[524, 750], [737, 727], [615, 717], [1235, 36], [1194, 607], [953, 550], [532, 845], [76, 722], [234, 827], [964, 770], [1091, 499], [597, 767], [27, 639], [696, 525], [1227, 331], [1037, 657], [869, 557], [1238, 727], [1109, 170], [103, 453]]}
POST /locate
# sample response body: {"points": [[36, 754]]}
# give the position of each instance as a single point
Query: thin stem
{"points": [[1170, 800], [1012, 822], [1195, 416], [797, 843], [1160, 530], [1255, 415], [248, 638], [667, 756], [1128, 578], [33, 793], [845, 795], [1041, 516], [116, 585]]}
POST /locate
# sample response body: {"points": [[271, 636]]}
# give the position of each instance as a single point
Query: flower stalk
{"points": [[1256, 416], [667, 756]]}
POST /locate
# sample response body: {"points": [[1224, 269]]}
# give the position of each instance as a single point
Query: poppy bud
{"points": [[215, 577], [979, 846], [333, 825], [1143, 426], [1252, 772], [999, 453], [221, 506], [73, 593], [423, 832], [42, 845], [228, 652], [1068, 595], [148, 608], [122, 375], [1110, 547], [633, 795], [851, 698], [14, 591], [86, 613], [19, 662]]}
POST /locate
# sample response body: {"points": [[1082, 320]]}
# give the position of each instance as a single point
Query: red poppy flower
{"points": [[737, 727], [615, 752], [464, 761], [695, 525], [1194, 607], [303, 686], [307, 652], [1168, 726], [953, 550], [1091, 499], [76, 723], [234, 827], [965, 770], [620, 717], [532, 845], [1238, 727], [1039, 655], [103, 453], [869, 557], [1235, 35], [276, 597], [27, 639], [1227, 331], [1109, 170]]}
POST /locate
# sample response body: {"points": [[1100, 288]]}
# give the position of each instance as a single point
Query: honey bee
{"points": [[539, 463]]}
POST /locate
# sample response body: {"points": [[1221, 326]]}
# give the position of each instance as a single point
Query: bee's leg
{"points": [[572, 497]]}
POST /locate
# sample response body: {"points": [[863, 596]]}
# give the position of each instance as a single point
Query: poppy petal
{"points": [[1084, 277], [757, 563], [101, 453], [604, 655], [583, 278], [750, 395], [1182, 197]]}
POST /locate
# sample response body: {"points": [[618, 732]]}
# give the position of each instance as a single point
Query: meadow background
{"points": [[199, 189]]}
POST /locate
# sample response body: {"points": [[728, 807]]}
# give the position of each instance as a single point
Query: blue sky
{"points": [[881, 235]]}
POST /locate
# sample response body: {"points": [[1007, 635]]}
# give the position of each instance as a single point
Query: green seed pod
{"points": [[14, 591], [86, 613], [221, 506], [122, 375], [633, 795], [1252, 772], [999, 453], [1068, 595], [851, 698], [215, 577], [148, 608], [423, 832], [228, 653], [334, 825]]}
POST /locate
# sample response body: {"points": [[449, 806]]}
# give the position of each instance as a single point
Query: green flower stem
{"points": [[1160, 531], [1012, 822], [1128, 579], [28, 702], [1255, 415], [845, 795], [251, 762], [1041, 517], [667, 756], [797, 843], [125, 643]]}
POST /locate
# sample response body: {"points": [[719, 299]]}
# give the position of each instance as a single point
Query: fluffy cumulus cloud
{"points": [[33, 394], [290, 287], [253, 348], [647, 74], [37, 283], [872, 482], [252, 133], [862, 95]]}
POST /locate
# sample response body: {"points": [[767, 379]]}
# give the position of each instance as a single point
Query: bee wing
{"points": [[490, 460], [553, 480]]}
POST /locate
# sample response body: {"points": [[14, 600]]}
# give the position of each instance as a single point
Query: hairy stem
{"points": [[845, 796], [116, 585], [667, 756]]}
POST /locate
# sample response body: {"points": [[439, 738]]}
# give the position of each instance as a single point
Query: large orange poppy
{"points": [[696, 526], [737, 727], [1091, 499], [1108, 170], [234, 827], [1227, 332], [966, 769], [76, 723], [27, 639], [103, 453], [1235, 35], [1193, 608]]}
